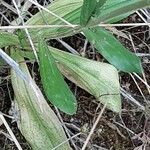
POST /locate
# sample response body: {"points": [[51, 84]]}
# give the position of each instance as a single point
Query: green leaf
{"points": [[99, 7], [23, 40], [8, 39], [89, 9], [112, 11], [37, 121], [113, 50], [99, 79], [27, 54], [69, 10], [54, 85]]}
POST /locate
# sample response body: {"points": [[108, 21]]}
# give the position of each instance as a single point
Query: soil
{"points": [[126, 131]]}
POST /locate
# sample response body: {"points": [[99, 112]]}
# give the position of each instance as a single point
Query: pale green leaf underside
{"points": [[99, 79], [8, 39], [38, 123]]}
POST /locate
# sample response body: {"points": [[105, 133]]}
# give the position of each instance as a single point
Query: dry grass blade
{"points": [[10, 132], [8, 6], [146, 20], [143, 80], [65, 128], [68, 26], [72, 50], [93, 128], [138, 88], [34, 27], [14, 65], [133, 100], [25, 11], [55, 148]]}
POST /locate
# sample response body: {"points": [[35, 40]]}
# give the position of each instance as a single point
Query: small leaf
{"points": [[54, 85], [99, 79], [99, 7], [113, 50], [23, 40], [89, 9]]}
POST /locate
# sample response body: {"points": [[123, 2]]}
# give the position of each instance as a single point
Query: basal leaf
{"points": [[37, 121], [54, 85], [113, 50], [99, 79]]}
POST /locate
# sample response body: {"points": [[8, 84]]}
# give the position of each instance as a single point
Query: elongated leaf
{"points": [[57, 7], [38, 123], [113, 50], [82, 72], [87, 11], [99, 79], [90, 8], [99, 7], [71, 10], [54, 85], [112, 11], [65, 9], [8, 39], [117, 10]]}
